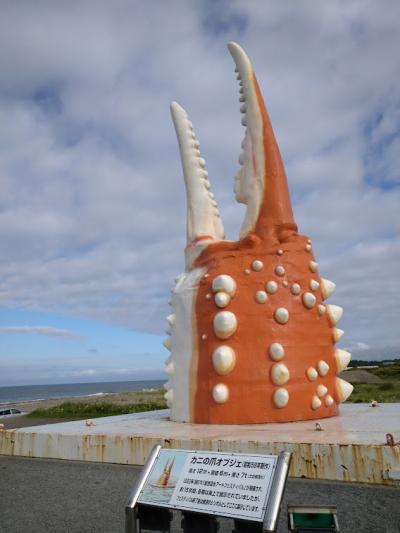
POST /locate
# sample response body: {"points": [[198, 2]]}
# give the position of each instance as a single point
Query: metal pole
{"points": [[130, 510], [277, 488]]}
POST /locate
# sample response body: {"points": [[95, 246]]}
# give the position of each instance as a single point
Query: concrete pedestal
{"points": [[350, 447]]}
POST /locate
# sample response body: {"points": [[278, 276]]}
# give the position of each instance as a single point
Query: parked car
{"points": [[5, 413]]}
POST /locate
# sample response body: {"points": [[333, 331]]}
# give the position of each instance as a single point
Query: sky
{"points": [[92, 201]]}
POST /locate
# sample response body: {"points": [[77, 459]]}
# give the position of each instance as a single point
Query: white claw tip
{"points": [[335, 313], [327, 288], [342, 358], [343, 389]]}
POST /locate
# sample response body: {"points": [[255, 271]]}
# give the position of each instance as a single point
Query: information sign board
{"points": [[232, 485]]}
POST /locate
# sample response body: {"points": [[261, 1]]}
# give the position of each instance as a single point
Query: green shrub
{"points": [[94, 410]]}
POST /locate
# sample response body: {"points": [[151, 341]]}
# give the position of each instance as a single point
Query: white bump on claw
{"points": [[308, 247], [261, 297], [335, 313], [342, 358], [295, 289], [323, 367], [315, 403], [171, 319], [280, 270], [276, 351], [169, 396], [327, 288], [281, 315], [329, 401], [204, 337], [208, 296], [285, 283], [281, 398], [337, 334], [222, 299], [224, 283], [220, 393], [314, 285], [280, 374], [321, 390], [271, 287], [225, 324], [247, 271], [321, 309], [280, 252], [257, 265], [309, 300], [312, 374], [224, 360], [313, 266], [343, 389], [170, 368]]}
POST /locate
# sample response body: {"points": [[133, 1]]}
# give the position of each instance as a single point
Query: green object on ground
{"points": [[314, 520]]}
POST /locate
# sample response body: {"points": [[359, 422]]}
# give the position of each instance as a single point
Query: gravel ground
{"points": [[52, 496]]}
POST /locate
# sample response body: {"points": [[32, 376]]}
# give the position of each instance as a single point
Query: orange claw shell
{"points": [[250, 336]]}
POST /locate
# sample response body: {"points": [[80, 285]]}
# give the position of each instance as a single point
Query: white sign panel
{"points": [[234, 485]]}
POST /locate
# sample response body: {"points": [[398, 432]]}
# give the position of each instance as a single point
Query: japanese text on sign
{"points": [[236, 486]]}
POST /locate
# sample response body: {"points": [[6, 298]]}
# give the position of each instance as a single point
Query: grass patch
{"points": [[387, 371], [79, 410], [381, 392]]}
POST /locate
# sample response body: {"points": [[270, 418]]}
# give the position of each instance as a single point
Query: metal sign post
{"points": [[204, 485]]}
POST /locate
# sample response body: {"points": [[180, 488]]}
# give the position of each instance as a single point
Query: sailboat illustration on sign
{"points": [[163, 480]]}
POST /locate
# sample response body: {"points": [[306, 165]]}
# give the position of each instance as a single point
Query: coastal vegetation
{"points": [[83, 410], [381, 384]]}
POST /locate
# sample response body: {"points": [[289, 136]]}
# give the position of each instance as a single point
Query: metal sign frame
{"points": [[272, 506]]}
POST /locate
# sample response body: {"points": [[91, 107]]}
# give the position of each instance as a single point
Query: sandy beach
{"points": [[124, 398]]}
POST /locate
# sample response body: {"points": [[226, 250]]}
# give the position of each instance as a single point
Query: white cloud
{"points": [[41, 330], [92, 204]]}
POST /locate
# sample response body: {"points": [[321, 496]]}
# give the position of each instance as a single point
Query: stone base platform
{"points": [[350, 447]]}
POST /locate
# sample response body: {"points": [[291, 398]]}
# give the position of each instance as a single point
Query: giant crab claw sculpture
{"points": [[250, 336]]}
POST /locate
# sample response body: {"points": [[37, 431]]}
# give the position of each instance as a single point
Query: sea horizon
{"points": [[26, 393]]}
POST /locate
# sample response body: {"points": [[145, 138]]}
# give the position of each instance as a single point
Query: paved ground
{"points": [[52, 496]]}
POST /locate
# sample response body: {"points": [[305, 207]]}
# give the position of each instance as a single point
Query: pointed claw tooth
{"points": [[241, 158], [189, 123], [205, 173], [244, 121], [171, 319], [335, 313], [207, 184], [236, 69], [242, 98], [167, 343], [243, 108], [337, 334], [202, 162], [196, 144], [170, 368], [327, 288], [167, 385], [342, 359], [169, 396], [343, 389], [241, 90]]}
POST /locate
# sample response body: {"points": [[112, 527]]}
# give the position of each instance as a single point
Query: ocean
{"points": [[64, 390]]}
